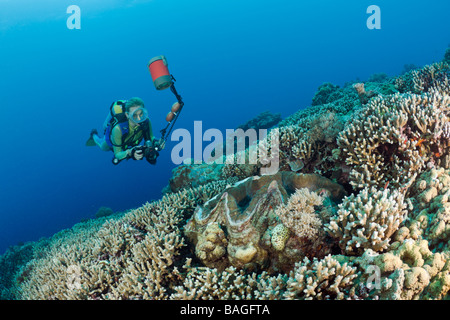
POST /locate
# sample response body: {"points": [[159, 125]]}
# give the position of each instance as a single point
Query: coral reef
{"points": [[326, 93], [430, 218], [393, 138], [131, 256], [368, 220], [358, 208], [364, 96], [104, 212], [264, 120], [193, 175], [422, 80], [320, 279]]}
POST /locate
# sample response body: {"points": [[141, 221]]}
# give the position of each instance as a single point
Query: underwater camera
{"points": [[150, 151]]}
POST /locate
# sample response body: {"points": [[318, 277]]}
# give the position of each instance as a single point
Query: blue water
{"points": [[232, 60]]}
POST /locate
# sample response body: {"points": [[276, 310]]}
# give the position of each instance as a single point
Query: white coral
{"points": [[368, 220]]}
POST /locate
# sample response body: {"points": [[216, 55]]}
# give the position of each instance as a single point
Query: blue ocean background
{"points": [[232, 60]]}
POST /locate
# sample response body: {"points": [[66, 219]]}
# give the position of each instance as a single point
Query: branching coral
{"points": [[202, 283], [317, 279], [423, 80], [392, 138], [363, 95], [320, 279], [368, 220]]}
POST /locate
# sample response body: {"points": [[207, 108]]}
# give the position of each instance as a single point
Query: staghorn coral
{"points": [[12, 263], [202, 283], [246, 214], [368, 220], [323, 278], [310, 151]]}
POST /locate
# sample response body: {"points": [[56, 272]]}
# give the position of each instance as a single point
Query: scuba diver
{"points": [[125, 127], [127, 123]]}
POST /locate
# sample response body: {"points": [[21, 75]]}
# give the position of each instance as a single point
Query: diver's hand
{"points": [[160, 144], [137, 153]]}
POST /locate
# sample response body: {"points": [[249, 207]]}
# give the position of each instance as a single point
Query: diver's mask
{"points": [[139, 115]]}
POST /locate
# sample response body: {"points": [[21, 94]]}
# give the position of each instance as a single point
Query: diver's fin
{"points": [[91, 142]]}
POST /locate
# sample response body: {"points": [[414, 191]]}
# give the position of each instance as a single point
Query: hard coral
{"points": [[326, 93], [368, 220], [423, 80], [363, 95], [410, 271], [430, 218], [264, 120], [392, 138], [299, 215], [131, 256], [323, 279]]}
